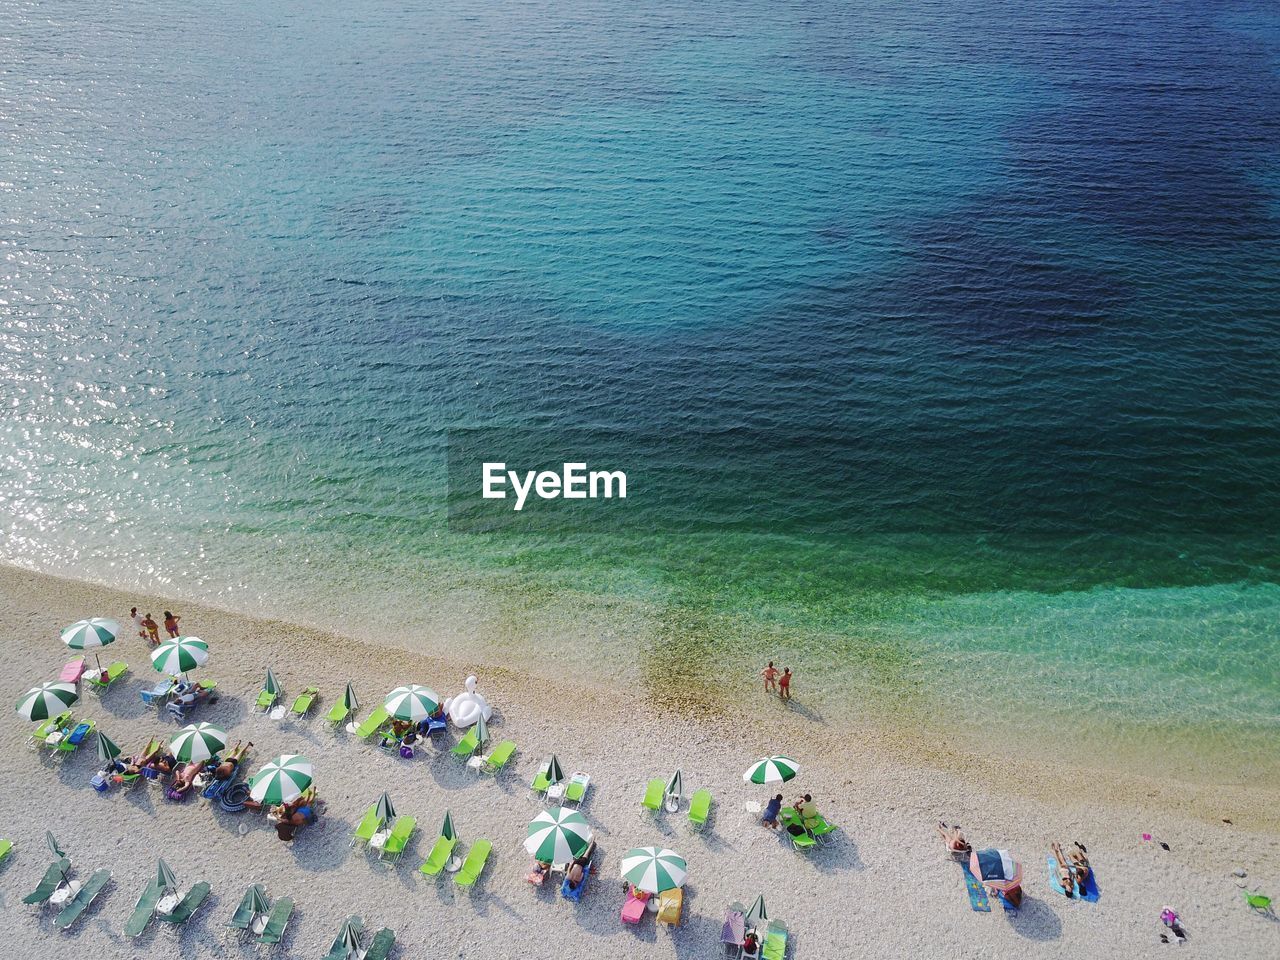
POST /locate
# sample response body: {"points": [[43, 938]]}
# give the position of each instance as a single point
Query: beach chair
{"points": [[339, 950], [820, 829], [245, 916], [796, 831], [373, 723], [496, 760], [775, 941], [73, 671], [700, 808], [6, 847], [576, 790], [337, 714], [81, 902], [158, 694], [439, 856], [401, 830], [277, 923], [670, 906], [575, 893], [143, 909], [541, 782], [473, 866], [303, 702], [633, 909], [1256, 901], [381, 944], [436, 725], [47, 728], [468, 745], [266, 700], [370, 825], [101, 682], [733, 931], [187, 906], [71, 742], [653, 795], [54, 877]]}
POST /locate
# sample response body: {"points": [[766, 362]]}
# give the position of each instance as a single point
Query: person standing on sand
{"points": [[171, 624], [153, 629], [136, 617], [784, 684], [770, 674]]}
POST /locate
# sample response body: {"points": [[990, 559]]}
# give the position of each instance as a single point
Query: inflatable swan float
{"points": [[466, 708]]}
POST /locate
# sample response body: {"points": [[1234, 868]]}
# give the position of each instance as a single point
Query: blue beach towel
{"points": [[1090, 892], [977, 892], [78, 734]]}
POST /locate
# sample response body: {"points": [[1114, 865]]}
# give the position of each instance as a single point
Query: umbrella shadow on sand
{"points": [[1034, 920]]}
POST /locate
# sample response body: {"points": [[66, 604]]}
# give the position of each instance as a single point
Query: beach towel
{"points": [[1090, 892], [977, 892]]}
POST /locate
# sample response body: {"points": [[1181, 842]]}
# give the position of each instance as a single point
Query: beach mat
{"points": [[977, 892], [1090, 892]]}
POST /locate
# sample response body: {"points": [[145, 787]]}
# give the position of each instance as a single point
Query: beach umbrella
{"points": [[412, 702], [165, 878], [180, 654], [654, 869], [47, 700], [198, 741], [51, 842], [107, 749], [553, 771], [91, 634], [350, 936], [675, 786], [996, 868], [446, 828], [757, 914], [255, 900], [386, 809], [282, 780], [271, 685], [349, 698], [482, 730], [772, 770], [557, 836]]}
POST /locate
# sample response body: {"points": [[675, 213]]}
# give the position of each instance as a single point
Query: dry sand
{"points": [[883, 890]]}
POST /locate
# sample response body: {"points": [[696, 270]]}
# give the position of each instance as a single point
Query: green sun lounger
{"points": [[576, 791], [53, 878], [1258, 901], [439, 857], [499, 757], [338, 714], [6, 846], [700, 807], [370, 825], [373, 723], [302, 705], [467, 745], [775, 941], [103, 682], [473, 866], [819, 828], [277, 922], [266, 700], [143, 910], [43, 731], [187, 906], [245, 915], [653, 793], [82, 900], [540, 782], [338, 951], [401, 830], [76, 736], [381, 944]]}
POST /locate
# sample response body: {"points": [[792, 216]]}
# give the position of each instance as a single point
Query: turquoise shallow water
{"points": [[1007, 277]]}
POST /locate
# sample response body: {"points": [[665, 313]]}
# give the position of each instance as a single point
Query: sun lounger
{"points": [[101, 682], [158, 694], [467, 745], [496, 760], [53, 879], [700, 808], [143, 909], [733, 931], [277, 922], [6, 847], [653, 795], [775, 941], [266, 700], [576, 791], [71, 742], [370, 825], [339, 949], [373, 723], [436, 725], [302, 705], [187, 906], [82, 900], [381, 944], [338, 714], [575, 893], [73, 671], [473, 866], [633, 909], [47, 728], [245, 915], [541, 782], [670, 906], [439, 857], [820, 829], [401, 830]]}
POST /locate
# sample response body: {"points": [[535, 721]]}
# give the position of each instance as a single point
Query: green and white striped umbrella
{"points": [[255, 899], [412, 702], [47, 700], [165, 878], [557, 836], [553, 771], [654, 869], [757, 914], [349, 698], [51, 842], [675, 786], [772, 770], [271, 685], [180, 654], [446, 828], [482, 731], [386, 810], [107, 748], [350, 936], [282, 780], [198, 741], [91, 633]]}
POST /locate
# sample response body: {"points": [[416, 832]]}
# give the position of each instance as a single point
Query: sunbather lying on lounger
{"points": [[541, 870], [575, 875], [186, 778], [1073, 867], [231, 761], [953, 837]]}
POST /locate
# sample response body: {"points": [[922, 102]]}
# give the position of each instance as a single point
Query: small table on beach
{"points": [[475, 763], [167, 903], [379, 839], [64, 893], [556, 790]]}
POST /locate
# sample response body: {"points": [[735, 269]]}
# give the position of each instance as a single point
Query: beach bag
{"points": [[406, 751]]}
